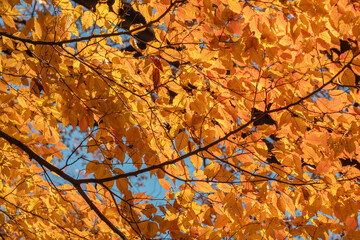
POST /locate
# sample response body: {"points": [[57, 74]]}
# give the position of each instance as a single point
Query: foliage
{"points": [[245, 112]]}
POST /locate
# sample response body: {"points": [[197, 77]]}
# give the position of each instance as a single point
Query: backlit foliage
{"points": [[245, 114]]}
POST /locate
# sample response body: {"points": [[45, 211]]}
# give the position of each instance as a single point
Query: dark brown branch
{"points": [[59, 43], [36, 157], [63, 175], [128, 32]]}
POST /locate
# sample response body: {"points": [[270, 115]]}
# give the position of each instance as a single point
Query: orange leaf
{"points": [[165, 184], [281, 204], [323, 167], [83, 123], [204, 187], [348, 77], [329, 106], [352, 223], [355, 66], [196, 161], [221, 221], [87, 19], [92, 166], [181, 141]]}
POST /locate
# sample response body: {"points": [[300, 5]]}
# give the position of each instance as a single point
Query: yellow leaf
{"points": [[325, 36], [136, 26], [87, 20], [224, 187], [171, 215], [34, 202], [185, 196], [290, 206], [134, 44], [21, 101], [102, 9], [235, 6]]}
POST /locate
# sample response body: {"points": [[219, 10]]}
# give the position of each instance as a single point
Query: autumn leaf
{"points": [[87, 20], [156, 77], [352, 223], [92, 166], [348, 77], [165, 184], [181, 141], [156, 62]]}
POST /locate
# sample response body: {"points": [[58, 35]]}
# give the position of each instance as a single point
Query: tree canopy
{"points": [[245, 114]]}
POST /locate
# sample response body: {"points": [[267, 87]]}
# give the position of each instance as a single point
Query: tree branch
{"points": [[70, 179], [128, 32]]}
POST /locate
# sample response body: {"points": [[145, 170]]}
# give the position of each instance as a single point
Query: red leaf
{"points": [[157, 62], [156, 77]]}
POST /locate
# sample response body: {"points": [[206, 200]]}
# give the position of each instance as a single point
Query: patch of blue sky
{"points": [[344, 89], [324, 93]]}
